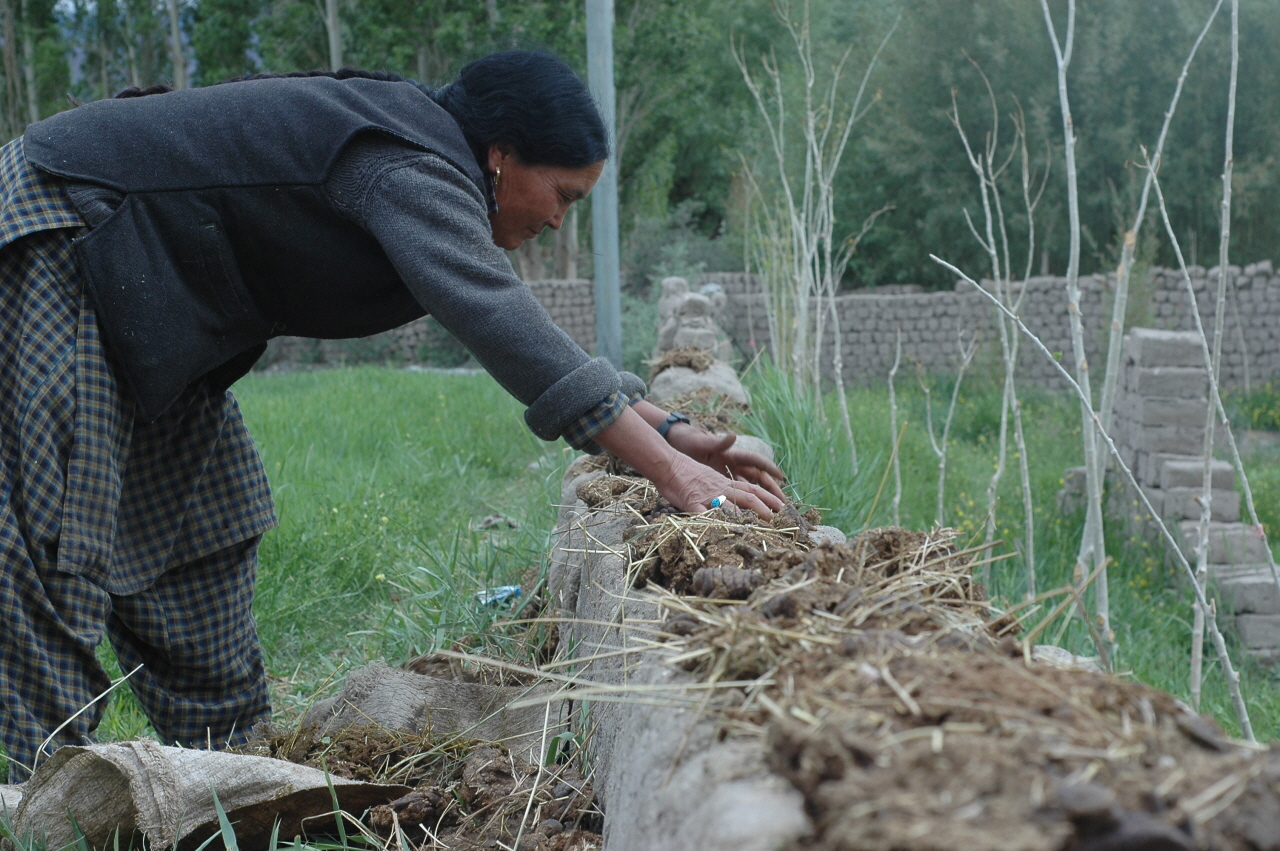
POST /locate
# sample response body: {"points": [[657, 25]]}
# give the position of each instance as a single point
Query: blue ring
{"points": [[718, 501]]}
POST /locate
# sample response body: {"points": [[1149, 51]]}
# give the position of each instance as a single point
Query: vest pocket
{"points": [[221, 272]]}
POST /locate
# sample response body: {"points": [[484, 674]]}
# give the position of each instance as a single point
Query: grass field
{"points": [[381, 474]]}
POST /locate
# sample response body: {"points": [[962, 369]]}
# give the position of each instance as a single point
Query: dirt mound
{"points": [[699, 360], [710, 409], [920, 745], [466, 795], [905, 711]]}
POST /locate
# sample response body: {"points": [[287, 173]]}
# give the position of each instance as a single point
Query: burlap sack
{"points": [[167, 795]]}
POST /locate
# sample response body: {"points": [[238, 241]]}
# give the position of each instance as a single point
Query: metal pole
{"points": [[604, 198]]}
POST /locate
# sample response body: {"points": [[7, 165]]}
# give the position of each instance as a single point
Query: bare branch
{"points": [[893, 429]]}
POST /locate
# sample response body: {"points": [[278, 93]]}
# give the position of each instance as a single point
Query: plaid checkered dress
{"points": [[144, 532]]}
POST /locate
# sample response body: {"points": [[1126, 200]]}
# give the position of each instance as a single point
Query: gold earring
{"points": [[497, 175]]}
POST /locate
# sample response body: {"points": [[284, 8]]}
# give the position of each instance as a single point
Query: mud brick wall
{"points": [[932, 323], [1251, 337], [572, 305]]}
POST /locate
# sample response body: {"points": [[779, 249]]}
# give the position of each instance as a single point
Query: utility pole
{"points": [[334, 26], [604, 198], [175, 47]]}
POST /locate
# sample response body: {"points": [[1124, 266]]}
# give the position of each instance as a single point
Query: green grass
{"points": [[1257, 408], [379, 476]]}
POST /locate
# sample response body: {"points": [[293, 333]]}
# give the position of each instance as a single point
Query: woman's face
{"points": [[533, 197]]}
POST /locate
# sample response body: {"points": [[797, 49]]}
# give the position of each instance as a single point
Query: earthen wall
{"points": [[571, 303], [932, 324]]}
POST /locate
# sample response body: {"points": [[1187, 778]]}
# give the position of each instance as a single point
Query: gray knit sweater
{"points": [[433, 224]]}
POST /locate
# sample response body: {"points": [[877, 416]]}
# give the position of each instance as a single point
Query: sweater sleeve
{"points": [[433, 224]]}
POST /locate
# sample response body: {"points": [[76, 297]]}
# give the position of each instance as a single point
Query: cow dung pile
{"points": [[906, 710], [461, 795]]}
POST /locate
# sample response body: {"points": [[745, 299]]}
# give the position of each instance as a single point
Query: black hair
{"points": [[340, 74], [530, 100]]}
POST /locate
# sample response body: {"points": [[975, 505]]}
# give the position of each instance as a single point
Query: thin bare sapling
{"points": [[1215, 413], [1092, 554], [1215, 362], [893, 430], [1120, 306], [995, 242], [967, 351], [796, 251]]}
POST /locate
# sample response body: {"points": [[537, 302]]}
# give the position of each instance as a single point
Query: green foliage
{"points": [[108, 46], [1264, 481], [221, 38], [639, 330], [1126, 61], [812, 450], [686, 120], [1257, 408], [672, 244]]}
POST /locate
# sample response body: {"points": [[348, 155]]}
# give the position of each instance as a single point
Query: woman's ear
{"points": [[499, 153]]}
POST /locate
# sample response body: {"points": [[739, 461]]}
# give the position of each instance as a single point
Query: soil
{"points": [[713, 411], [465, 795], [907, 712], [699, 360]]}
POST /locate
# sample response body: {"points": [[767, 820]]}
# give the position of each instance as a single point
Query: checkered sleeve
{"points": [[30, 201], [582, 431]]}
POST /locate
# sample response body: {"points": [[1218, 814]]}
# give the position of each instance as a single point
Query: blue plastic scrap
{"points": [[500, 594]]}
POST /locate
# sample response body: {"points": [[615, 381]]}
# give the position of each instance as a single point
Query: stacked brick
{"points": [[1250, 349], [931, 322], [1159, 428]]}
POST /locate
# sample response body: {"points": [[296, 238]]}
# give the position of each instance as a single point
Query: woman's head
{"points": [[532, 102], [535, 130], [531, 198]]}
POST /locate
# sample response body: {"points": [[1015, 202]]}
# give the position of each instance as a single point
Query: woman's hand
{"points": [[718, 452], [693, 487], [684, 481]]}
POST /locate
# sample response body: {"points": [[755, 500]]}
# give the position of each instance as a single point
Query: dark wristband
{"points": [[672, 419]]}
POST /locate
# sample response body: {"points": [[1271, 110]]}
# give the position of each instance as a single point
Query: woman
{"points": [[150, 246]]}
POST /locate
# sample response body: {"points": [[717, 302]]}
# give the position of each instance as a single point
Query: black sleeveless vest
{"points": [[223, 236]]}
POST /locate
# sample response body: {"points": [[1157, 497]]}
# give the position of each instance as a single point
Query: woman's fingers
{"points": [[757, 476], [752, 502], [746, 495], [774, 501], [695, 487], [743, 458], [766, 481]]}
